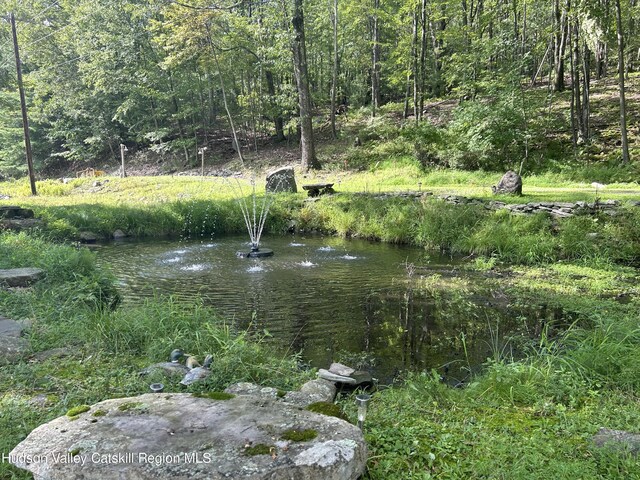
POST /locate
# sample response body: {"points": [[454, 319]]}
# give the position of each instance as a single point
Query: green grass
{"points": [[530, 418]]}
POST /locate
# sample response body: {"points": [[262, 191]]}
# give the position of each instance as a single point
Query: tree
{"points": [[307, 145], [621, 72]]}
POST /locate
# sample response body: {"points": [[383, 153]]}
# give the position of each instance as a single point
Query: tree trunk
{"points": [[575, 83], [560, 42], [586, 91], [277, 116], [334, 70], [307, 146], [623, 103], [423, 55], [414, 65], [375, 59]]}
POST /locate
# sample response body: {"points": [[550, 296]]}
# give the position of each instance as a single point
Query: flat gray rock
{"points": [[20, 277], [179, 436], [12, 345], [332, 377], [340, 369], [618, 439], [246, 388]]}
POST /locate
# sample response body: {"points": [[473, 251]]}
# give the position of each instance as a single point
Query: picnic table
{"points": [[317, 189]]}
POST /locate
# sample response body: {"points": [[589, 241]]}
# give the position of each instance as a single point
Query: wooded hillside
{"points": [[175, 76]]}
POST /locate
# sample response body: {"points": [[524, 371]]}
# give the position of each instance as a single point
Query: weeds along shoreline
{"points": [[516, 419]]}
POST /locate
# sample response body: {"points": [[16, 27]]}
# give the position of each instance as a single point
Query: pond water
{"points": [[331, 298]]}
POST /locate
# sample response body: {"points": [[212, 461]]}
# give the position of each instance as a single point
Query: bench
{"points": [[317, 189]]}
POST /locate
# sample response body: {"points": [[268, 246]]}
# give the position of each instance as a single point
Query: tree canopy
{"points": [[173, 76]]}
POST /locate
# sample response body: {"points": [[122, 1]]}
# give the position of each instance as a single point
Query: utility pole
{"points": [[123, 148], [23, 105]]}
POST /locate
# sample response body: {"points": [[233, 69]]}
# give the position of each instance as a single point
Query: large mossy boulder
{"points": [[182, 436]]}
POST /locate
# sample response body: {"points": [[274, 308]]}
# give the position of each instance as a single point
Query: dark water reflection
{"points": [[331, 298]]}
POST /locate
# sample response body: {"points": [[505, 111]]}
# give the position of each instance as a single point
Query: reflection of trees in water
{"points": [[423, 328]]}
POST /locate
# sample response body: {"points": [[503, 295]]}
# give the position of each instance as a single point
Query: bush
{"points": [[485, 135]]}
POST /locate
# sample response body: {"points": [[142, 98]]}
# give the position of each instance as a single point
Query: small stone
{"points": [[119, 235], [12, 345], [340, 369], [87, 237], [332, 377], [51, 353]]}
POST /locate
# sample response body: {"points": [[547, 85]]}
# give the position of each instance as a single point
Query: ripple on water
{"points": [[349, 257], [255, 268], [326, 249], [293, 244], [307, 263], [171, 260], [198, 267]]}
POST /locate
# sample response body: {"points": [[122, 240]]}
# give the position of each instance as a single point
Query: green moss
{"points": [[215, 395], [259, 449], [327, 408], [125, 407], [75, 411], [99, 413], [74, 452], [281, 393], [295, 435]]}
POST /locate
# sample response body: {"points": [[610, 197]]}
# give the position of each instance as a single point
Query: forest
{"points": [[171, 77]]}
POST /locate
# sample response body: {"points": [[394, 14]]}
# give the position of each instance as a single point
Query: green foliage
{"points": [[485, 134]]}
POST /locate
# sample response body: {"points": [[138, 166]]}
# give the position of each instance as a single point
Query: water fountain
{"points": [[254, 221]]}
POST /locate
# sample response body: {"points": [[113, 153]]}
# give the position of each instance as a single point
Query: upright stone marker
{"points": [[510, 183], [282, 180]]}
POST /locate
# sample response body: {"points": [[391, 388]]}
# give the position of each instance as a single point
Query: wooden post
{"points": [[123, 148], [23, 105], [201, 152]]}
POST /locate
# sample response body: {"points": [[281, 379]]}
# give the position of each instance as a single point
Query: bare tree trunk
{"points": [[575, 82], [423, 54], [414, 66], [224, 99], [307, 146], [334, 71], [375, 59], [623, 103], [277, 116], [586, 91], [560, 45]]}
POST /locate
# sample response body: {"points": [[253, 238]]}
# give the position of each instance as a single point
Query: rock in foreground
{"points": [[179, 436]]}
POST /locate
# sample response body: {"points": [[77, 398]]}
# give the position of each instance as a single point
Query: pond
{"points": [[335, 299]]}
